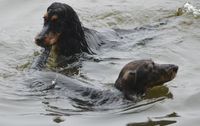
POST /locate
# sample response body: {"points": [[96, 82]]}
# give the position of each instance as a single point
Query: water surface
{"points": [[157, 33]]}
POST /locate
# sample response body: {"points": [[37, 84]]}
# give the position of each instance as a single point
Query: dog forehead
{"points": [[55, 5], [56, 8], [59, 12], [141, 67], [137, 64]]}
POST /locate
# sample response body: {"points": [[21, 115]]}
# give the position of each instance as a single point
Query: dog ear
{"points": [[129, 79], [133, 75]]}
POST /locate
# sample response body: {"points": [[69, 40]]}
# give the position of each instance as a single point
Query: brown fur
{"points": [[137, 76]]}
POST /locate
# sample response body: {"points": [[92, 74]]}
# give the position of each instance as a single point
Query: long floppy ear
{"points": [[131, 79], [73, 21], [129, 82], [75, 28]]}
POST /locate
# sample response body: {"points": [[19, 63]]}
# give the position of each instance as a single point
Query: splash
{"points": [[188, 8]]}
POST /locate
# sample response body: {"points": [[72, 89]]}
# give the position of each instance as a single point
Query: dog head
{"points": [[137, 76], [60, 21]]}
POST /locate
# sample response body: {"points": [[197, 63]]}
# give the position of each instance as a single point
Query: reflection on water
{"points": [[158, 91], [174, 114], [58, 119], [163, 122], [154, 123]]}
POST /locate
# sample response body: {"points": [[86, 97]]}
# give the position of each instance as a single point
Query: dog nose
{"points": [[39, 41], [175, 68]]}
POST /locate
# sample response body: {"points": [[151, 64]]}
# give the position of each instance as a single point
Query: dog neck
{"points": [[56, 58], [53, 57]]}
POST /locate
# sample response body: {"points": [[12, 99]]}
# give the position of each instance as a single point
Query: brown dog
{"points": [[137, 76]]}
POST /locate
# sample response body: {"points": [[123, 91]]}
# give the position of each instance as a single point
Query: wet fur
{"points": [[137, 76], [134, 78], [62, 20]]}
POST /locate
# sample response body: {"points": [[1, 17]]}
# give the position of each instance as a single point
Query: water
{"points": [[158, 34]]}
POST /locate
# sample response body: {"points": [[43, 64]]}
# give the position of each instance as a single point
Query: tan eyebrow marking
{"points": [[54, 17], [45, 15]]}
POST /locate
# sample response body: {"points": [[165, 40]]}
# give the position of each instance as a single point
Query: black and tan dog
{"points": [[63, 31]]}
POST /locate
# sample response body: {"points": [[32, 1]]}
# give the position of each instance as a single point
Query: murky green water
{"points": [[158, 34]]}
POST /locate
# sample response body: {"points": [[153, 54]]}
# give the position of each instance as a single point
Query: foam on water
{"points": [[189, 8]]}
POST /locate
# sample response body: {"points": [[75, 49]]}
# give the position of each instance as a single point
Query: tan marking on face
{"points": [[54, 17], [51, 38], [45, 15]]}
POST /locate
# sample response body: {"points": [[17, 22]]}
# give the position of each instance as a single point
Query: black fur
{"points": [[72, 38]]}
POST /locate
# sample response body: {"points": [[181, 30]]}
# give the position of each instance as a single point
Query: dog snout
{"points": [[175, 68], [39, 40], [169, 67]]}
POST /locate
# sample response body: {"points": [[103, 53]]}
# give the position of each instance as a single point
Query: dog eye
{"points": [[54, 21], [45, 19], [148, 67]]}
